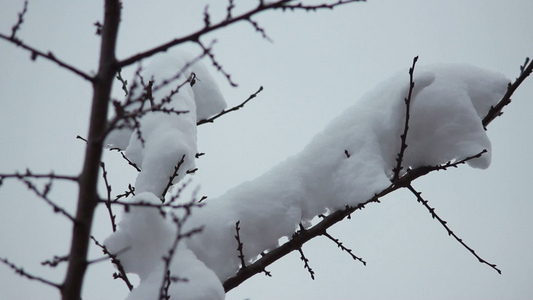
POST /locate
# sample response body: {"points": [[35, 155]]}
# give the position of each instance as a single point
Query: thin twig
{"points": [[212, 119], [210, 27], [108, 202], [171, 177], [450, 232], [403, 137], [23, 273], [20, 20], [114, 259], [49, 56], [340, 245], [306, 263], [240, 244], [525, 70]]}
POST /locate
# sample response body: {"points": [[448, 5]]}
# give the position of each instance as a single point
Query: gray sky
{"points": [[317, 65]]}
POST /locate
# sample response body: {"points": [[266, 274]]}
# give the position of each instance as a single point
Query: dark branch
{"points": [[210, 27], [450, 232], [525, 71], [403, 137], [240, 244], [20, 20], [114, 259], [55, 261], [171, 177], [212, 119], [23, 273], [306, 263], [108, 202], [49, 56], [343, 248]]}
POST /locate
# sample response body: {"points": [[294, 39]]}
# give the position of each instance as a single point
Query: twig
{"points": [[171, 177], [450, 232], [340, 245], [208, 51], [240, 245], [525, 71], [210, 27], [306, 263], [114, 259], [20, 20], [23, 273], [108, 202], [49, 56], [29, 174], [403, 137], [212, 119], [44, 195], [55, 261], [301, 6]]}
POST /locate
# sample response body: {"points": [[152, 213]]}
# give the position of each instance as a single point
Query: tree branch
{"points": [[48, 56], [23, 273], [403, 137], [450, 232], [220, 114], [210, 27], [320, 229], [495, 111], [88, 195]]}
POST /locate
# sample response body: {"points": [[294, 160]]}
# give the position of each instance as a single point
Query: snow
{"points": [[447, 106], [166, 137]]}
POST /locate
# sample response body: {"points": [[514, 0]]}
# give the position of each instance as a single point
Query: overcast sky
{"points": [[317, 65]]}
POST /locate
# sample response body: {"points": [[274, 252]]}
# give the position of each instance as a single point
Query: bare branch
{"points": [[20, 20], [114, 259], [306, 263], [44, 193], [208, 51], [210, 27], [403, 137], [220, 114], [49, 56], [301, 6], [343, 248], [108, 202], [23, 273], [55, 261], [240, 244], [171, 177], [29, 174], [450, 232], [525, 71]]}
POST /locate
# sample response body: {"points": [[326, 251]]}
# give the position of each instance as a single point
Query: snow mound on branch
{"points": [[448, 103], [346, 164], [162, 139]]}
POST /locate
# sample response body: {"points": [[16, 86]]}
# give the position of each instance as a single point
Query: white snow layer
{"points": [[447, 106], [166, 137]]}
